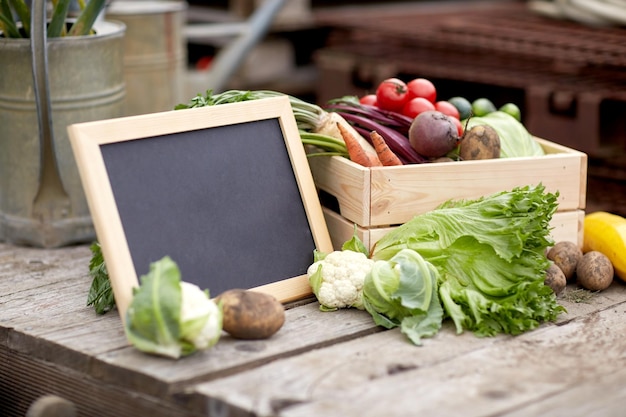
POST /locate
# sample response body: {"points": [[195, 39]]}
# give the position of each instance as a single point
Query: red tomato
{"points": [[421, 87], [391, 94], [415, 106], [448, 108], [369, 99], [458, 124]]}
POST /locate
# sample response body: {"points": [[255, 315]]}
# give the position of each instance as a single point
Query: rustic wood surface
{"points": [[331, 364]]}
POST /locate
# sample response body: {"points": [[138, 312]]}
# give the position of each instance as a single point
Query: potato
{"points": [[480, 142], [566, 256], [594, 271], [555, 279], [251, 314]]}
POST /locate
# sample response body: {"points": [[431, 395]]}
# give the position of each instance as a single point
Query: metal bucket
{"points": [[86, 83], [155, 53]]}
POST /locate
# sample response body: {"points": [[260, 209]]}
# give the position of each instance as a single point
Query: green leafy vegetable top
{"points": [[100, 293], [171, 318], [490, 254], [403, 292]]}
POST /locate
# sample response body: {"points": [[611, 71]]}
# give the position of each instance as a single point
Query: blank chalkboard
{"points": [[225, 191]]}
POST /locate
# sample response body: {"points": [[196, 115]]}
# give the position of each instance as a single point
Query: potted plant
{"points": [[59, 21], [54, 72]]}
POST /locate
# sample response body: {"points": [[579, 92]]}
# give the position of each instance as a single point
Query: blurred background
{"points": [[562, 62]]}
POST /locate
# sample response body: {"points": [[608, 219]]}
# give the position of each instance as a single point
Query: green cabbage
{"points": [[171, 318], [515, 140], [490, 255], [403, 292]]}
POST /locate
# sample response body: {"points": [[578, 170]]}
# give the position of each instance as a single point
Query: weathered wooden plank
{"points": [[48, 319], [305, 328], [579, 302], [603, 397], [500, 378], [316, 355], [23, 379], [314, 374], [382, 374], [24, 267]]}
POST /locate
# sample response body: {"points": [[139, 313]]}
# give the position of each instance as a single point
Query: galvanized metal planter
{"points": [[42, 202]]}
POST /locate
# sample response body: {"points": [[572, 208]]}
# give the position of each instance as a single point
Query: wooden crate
{"points": [[379, 199]]}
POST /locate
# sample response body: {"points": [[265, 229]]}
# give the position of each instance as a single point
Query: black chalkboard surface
{"points": [[225, 191]]}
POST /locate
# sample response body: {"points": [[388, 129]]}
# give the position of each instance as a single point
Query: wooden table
{"points": [[318, 364]]}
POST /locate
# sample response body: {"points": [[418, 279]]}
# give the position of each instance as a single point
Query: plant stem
{"points": [[59, 15], [86, 18], [7, 23]]}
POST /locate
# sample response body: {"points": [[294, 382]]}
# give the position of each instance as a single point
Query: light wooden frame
{"points": [[86, 140]]}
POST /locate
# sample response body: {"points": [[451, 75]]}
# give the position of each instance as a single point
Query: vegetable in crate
{"points": [[490, 254], [515, 140], [392, 94], [392, 126], [422, 87], [171, 318], [433, 134], [480, 142], [482, 106], [309, 117], [448, 109], [356, 152], [385, 155], [463, 106], [416, 106]]}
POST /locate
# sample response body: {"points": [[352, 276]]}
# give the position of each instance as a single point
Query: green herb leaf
{"points": [[100, 293]]}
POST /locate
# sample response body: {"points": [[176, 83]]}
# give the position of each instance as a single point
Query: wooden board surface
{"points": [[385, 375], [332, 364]]}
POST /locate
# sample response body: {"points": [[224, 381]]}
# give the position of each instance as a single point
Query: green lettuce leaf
{"points": [[403, 292], [490, 255]]}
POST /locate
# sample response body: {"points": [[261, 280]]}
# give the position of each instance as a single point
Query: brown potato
{"points": [[480, 142], [251, 314], [566, 256], [594, 271], [555, 279]]}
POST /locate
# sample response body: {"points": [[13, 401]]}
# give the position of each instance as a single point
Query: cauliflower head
{"points": [[337, 280], [170, 317], [200, 317]]}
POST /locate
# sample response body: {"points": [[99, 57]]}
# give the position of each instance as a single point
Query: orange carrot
{"points": [[385, 155], [355, 150]]}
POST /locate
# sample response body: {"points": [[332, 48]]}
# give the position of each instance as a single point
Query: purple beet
{"points": [[432, 134]]}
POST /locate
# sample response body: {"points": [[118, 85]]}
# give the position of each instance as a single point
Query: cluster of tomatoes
{"points": [[411, 98]]}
